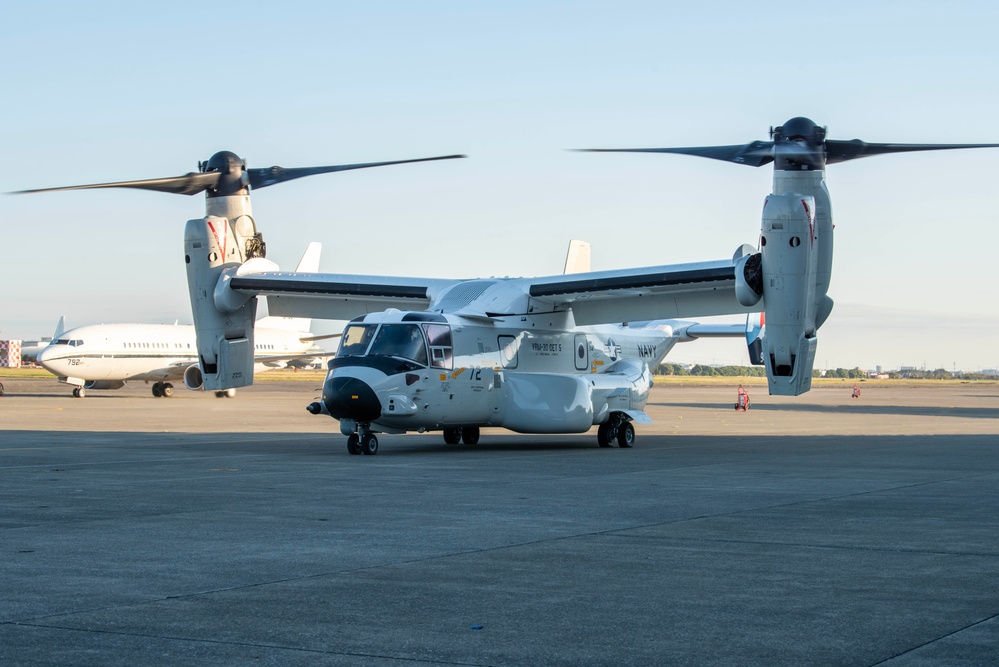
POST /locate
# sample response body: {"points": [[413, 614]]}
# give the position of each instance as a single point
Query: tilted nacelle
{"points": [[789, 249], [214, 248]]}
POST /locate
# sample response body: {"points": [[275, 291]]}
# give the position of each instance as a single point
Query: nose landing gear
{"points": [[362, 442]]}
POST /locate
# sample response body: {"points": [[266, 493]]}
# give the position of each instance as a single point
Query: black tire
{"points": [[157, 389], [1, 388], [470, 435], [353, 444], [452, 436], [167, 390], [605, 435], [369, 444], [626, 435]]}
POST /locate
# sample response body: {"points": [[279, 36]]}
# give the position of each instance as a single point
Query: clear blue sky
{"points": [[113, 91]]}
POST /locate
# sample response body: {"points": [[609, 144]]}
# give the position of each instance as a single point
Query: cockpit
{"points": [[75, 342], [424, 343]]}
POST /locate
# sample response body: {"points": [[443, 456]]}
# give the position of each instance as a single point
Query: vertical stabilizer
{"points": [[308, 264], [577, 260]]}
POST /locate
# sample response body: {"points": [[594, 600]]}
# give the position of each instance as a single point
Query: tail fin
{"points": [[310, 260], [60, 327], [308, 264], [577, 260]]}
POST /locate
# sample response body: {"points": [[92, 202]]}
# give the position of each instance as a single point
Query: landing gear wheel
{"points": [[79, 392], [369, 444], [606, 434], [157, 389], [452, 436], [1, 388], [470, 435], [626, 435], [167, 390], [220, 394], [353, 444]]}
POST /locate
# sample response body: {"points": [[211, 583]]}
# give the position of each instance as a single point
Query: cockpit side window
{"points": [[441, 352], [355, 340], [400, 340]]}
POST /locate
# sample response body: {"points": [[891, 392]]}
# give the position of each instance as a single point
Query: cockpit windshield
{"points": [[400, 340], [66, 341], [355, 340], [392, 340]]}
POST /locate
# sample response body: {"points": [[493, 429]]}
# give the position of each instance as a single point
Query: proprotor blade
{"points": [[753, 154], [261, 178], [841, 151], [188, 184]]}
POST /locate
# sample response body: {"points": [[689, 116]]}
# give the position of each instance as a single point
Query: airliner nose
{"points": [[46, 357], [350, 398]]}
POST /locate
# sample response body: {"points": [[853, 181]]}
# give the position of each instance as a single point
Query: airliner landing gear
{"points": [[616, 430], [226, 393], [362, 442], [467, 434], [79, 392], [162, 389]]}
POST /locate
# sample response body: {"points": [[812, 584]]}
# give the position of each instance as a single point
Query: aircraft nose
{"points": [[46, 357], [350, 398]]}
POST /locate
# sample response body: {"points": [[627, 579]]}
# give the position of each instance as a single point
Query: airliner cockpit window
{"points": [[355, 339], [400, 340]]}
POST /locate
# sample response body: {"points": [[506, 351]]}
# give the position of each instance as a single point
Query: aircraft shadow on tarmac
{"points": [[855, 409]]}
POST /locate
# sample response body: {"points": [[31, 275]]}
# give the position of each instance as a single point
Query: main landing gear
{"points": [[617, 429], [79, 392], [467, 434], [162, 389], [362, 442]]}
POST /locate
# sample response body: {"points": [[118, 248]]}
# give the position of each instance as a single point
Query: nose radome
{"points": [[350, 398], [45, 355]]}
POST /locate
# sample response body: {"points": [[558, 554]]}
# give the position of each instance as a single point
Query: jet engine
{"points": [[193, 379]]}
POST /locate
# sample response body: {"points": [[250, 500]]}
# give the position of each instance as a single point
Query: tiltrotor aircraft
{"points": [[533, 355]]}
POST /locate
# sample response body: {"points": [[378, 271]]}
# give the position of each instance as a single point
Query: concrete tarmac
{"points": [[817, 530]]}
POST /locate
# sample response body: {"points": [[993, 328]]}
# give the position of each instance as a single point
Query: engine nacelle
{"points": [[789, 248], [193, 379], [749, 279], [225, 339]]}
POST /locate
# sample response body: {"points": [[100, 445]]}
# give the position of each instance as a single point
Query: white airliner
{"points": [[106, 356]]}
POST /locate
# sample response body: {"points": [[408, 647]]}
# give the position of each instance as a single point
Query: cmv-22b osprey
{"points": [[533, 355]]}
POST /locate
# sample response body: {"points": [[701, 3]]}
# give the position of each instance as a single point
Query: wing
{"points": [[656, 292], [337, 296], [673, 291]]}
